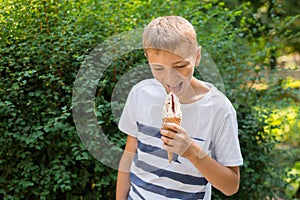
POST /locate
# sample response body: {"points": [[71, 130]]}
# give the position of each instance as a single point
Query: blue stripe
{"points": [[155, 151], [147, 148], [169, 193], [183, 178], [137, 192], [149, 130], [199, 139], [153, 131]]}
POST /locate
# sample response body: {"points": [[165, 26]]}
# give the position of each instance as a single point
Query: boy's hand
{"points": [[175, 138]]}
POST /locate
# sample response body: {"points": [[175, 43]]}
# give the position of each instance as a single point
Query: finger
{"points": [[168, 133], [167, 141], [171, 126], [166, 147]]}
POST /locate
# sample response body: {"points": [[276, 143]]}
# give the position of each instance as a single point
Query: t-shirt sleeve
{"points": [[227, 148], [127, 122]]}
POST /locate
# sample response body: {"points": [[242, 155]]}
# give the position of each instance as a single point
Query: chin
{"points": [[180, 92]]}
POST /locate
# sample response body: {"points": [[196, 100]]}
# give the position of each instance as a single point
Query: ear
{"points": [[145, 53], [198, 56]]}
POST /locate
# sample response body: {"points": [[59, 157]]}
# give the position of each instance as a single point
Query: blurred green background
{"points": [[43, 43]]}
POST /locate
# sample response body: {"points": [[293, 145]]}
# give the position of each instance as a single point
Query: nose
{"points": [[171, 77]]}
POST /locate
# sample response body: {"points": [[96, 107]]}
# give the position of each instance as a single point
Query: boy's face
{"points": [[173, 71]]}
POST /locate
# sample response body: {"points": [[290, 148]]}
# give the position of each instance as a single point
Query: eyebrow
{"points": [[180, 61], [174, 63]]}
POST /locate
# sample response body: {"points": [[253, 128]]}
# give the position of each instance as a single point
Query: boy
{"points": [[206, 147]]}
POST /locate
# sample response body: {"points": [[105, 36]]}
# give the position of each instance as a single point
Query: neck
{"points": [[195, 92]]}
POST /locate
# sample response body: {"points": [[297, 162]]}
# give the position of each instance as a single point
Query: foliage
{"points": [[293, 180], [42, 156], [43, 44], [284, 123], [266, 10]]}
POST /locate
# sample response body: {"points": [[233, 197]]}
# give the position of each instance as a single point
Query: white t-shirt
{"points": [[211, 122]]}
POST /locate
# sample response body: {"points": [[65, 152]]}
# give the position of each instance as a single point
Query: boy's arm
{"points": [[123, 180], [226, 179]]}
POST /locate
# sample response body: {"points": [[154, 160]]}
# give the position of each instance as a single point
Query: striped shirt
{"points": [[215, 130]]}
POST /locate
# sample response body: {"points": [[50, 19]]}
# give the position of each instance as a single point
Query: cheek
{"points": [[156, 75], [188, 73]]}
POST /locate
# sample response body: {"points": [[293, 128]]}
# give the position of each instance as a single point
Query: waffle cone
{"points": [[177, 121]]}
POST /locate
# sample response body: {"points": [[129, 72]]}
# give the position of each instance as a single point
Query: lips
{"points": [[174, 88]]}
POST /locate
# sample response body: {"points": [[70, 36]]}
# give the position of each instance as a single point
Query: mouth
{"points": [[174, 88]]}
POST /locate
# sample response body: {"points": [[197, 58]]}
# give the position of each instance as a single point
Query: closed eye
{"points": [[157, 67], [181, 66]]}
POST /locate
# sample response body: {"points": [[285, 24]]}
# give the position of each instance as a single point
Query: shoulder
{"points": [[146, 83], [147, 86], [219, 100], [148, 90]]}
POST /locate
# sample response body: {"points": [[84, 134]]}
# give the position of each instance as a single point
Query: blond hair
{"points": [[171, 33]]}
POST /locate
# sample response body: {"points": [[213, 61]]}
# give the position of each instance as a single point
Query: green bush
{"points": [[44, 43]]}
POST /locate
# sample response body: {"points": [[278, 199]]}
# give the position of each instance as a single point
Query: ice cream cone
{"points": [[171, 113], [177, 121]]}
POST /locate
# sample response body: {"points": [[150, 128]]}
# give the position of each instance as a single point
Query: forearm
{"points": [[123, 185], [123, 180], [225, 179]]}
